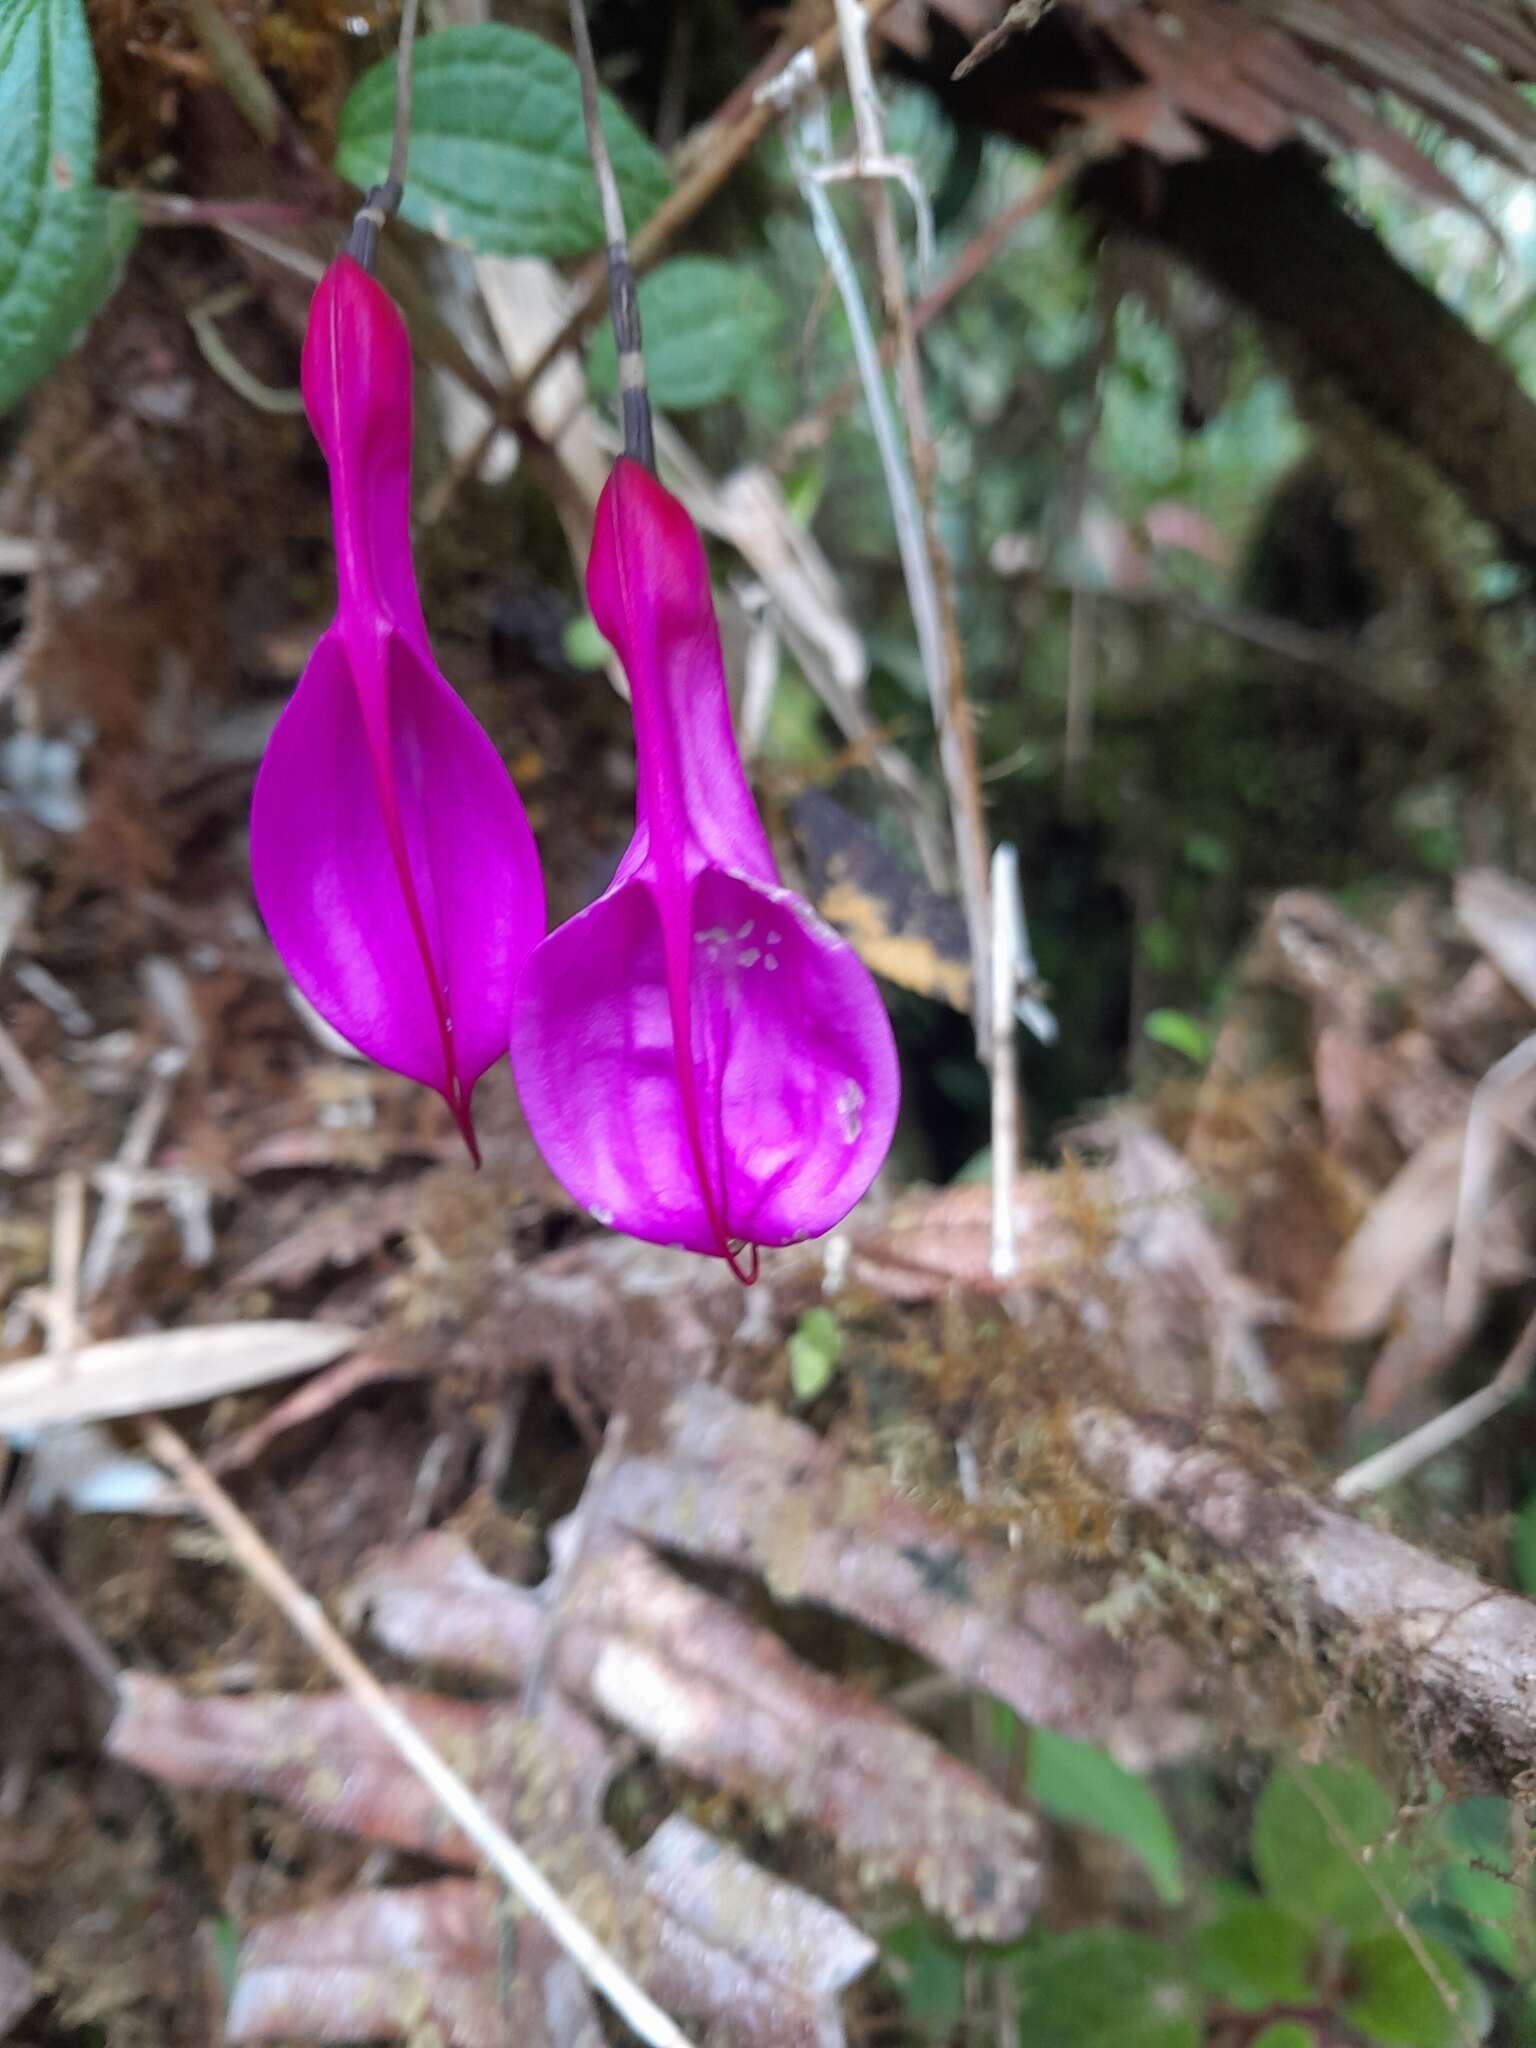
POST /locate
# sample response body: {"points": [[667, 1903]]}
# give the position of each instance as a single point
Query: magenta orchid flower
{"points": [[391, 858], [701, 1061]]}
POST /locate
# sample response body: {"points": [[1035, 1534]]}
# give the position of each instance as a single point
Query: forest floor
{"points": [[814, 1523]]}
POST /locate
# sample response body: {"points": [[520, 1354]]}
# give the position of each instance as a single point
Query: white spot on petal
{"points": [[850, 1108]]}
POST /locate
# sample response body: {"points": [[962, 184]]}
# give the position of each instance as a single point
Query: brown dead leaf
{"points": [[727, 1702], [1424, 1340], [936, 1240], [1144, 117], [381, 1965], [705, 1932], [1407, 1225]]}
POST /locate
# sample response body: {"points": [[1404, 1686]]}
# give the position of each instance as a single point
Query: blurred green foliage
{"points": [[1411, 1932]]}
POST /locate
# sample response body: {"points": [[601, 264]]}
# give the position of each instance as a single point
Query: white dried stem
{"points": [[1384, 1468], [922, 564], [1007, 928]]}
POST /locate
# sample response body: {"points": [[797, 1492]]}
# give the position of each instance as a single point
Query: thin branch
{"points": [[713, 153], [1007, 931], [1451, 1644], [261, 1563], [634, 399], [812, 428], [133, 1154], [938, 635], [382, 202], [1384, 1468], [21, 1562], [400, 141], [237, 70], [933, 633]]}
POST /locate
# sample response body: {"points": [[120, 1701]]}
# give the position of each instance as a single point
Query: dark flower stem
{"points": [[382, 202], [634, 398]]}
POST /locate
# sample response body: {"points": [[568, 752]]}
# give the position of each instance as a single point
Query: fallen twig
{"points": [[1450, 1641], [1384, 1468]]}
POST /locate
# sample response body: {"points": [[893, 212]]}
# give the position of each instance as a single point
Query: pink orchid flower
{"points": [[391, 858], [701, 1061]]}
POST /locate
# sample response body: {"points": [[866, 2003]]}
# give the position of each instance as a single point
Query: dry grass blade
{"points": [[1388, 1466], [163, 1369], [726, 1702]]}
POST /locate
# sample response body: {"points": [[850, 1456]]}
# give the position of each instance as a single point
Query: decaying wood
{"points": [[712, 1478], [706, 1932], [726, 1701], [379, 1964], [1460, 1654]]}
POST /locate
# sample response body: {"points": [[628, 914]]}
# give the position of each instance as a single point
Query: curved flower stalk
{"points": [[701, 1061], [391, 858]]}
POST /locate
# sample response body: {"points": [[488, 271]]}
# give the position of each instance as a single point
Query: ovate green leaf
{"points": [[1179, 1032], [47, 96], [62, 241], [498, 150], [1101, 1987], [1288, 2034], [1479, 1883], [1073, 1781], [1253, 1955], [814, 1349], [929, 1973], [1321, 1848], [704, 323], [1395, 2000]]}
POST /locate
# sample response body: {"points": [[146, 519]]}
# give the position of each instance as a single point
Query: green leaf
{"points": [[1320, 1848], [62, 241], [704, 324], [1180, 1033], [1073, 1781], [498, 150], [1479, 1884], [1523, 1545], [582, 644], [814, 1349], [47, 96], [1101, 1987], [1253, 1955], [1394, 1999], [1288, 2034], [929, 1973]]}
